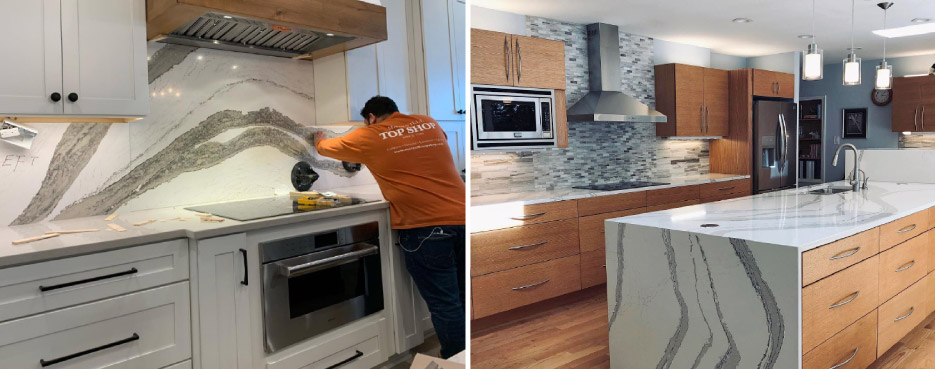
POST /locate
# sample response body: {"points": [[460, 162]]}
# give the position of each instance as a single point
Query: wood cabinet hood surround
{"points": [[364, 22]]}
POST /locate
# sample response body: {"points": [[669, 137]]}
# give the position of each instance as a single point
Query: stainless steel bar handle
{"points": [[850, 253], [911, 310], [301, 269], [523, 247], [907, 228], [845, 302], [506, 57], [923, 117], [529, 216], [701, 112], [727, 188], [707, 119], [537, 284], [915, 118], [519, 61], [911, 263], [843, 363]]}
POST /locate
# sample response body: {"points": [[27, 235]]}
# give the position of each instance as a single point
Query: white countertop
{"points": [[538, 197], [193, 228], [794, 217]]}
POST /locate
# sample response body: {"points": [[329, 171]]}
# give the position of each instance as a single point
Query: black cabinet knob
{"points": [[460, 111], [56, 97], [72, 97]]}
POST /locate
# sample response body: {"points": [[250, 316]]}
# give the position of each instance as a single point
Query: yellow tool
{"points": [[307, 200]]}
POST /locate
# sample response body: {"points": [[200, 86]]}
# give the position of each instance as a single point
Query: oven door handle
{"points": [[316, 265]]}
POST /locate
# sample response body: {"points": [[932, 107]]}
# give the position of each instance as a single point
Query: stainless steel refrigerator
{"points": [[775, 145]]}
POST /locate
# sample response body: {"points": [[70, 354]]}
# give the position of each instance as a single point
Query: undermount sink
{"points": [[829, 191]]}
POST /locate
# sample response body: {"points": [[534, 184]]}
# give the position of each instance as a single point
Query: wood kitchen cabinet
{"points": [[773, 84], [695, 100], [913, 102], [503, 59], [75, 58]]}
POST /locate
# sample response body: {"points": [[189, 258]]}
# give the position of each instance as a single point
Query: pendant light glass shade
{"points": [[812, 63], [851, 70], [884, 77]]}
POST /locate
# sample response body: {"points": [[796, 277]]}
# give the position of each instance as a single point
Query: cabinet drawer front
{"points": [[498, 292], [503, 249], [35, 288], [609, 203], [716, 189], [143, 330], [672, 195], [902, 266], [900, 230], [499, 216], [726, 196], [593, 268], [672, 205], [187, 364], [856, 346], [833, 303], [591, 228], [900, 315], [828, 259]]}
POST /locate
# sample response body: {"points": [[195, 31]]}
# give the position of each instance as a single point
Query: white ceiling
{"points": [[776, 23]]}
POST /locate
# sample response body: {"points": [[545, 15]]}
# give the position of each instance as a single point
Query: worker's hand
{"points": [[320, 135]]}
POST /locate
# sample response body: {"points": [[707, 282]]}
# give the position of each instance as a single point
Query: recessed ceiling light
{"points": [[921, 20], [805, 36], [919, 29], [741, 20]]}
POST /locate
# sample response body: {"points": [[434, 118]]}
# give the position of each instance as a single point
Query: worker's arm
{"points": [[348, 148]]}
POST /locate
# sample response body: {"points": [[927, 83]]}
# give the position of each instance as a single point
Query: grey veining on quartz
{"points": [[794, 217], [686, 300], [191, 227]]}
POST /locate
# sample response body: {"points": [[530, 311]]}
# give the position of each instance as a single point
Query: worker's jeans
{"points": [[435, 259]]}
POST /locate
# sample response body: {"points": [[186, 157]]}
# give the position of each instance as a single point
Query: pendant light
{"points": [[812, 62], [852, 62], [884, 79]]}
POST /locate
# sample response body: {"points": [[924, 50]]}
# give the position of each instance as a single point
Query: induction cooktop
{"points": [[625, 185], [244, 210]]}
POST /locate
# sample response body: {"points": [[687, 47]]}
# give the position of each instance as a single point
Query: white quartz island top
{"points": [[794, 217], [561, 194], [192, 227]]}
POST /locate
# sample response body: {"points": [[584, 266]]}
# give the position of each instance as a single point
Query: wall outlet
{"points": [[837, 140]]}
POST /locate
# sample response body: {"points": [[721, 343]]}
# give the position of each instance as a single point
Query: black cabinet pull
{"points": [[72, 97], [44, 363], [460, 111], [246, 273], [89, 280], [56, 97], [350, 359]]}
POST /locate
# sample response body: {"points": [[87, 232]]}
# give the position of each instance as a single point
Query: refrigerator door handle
{"points": [[784, 139]]}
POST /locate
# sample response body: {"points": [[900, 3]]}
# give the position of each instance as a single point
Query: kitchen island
{"points": [[780, 280]]}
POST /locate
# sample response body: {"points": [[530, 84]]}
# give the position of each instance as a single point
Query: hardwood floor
{"points": [[566, 332], [571, 332]]}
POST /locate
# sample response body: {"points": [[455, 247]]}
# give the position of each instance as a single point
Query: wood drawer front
{"points": [[902, 266], [609, 203], [591, 228], [154, 265], [593, 268], [503, 249], [854, 292], [726, 196], [672, 195], [826, 260], [159, 317], [672, 205], [900, 315], [930, 241], [501, 216], [929, 293], [716, 189], [856, 345], [900, 230], [499, 292]]}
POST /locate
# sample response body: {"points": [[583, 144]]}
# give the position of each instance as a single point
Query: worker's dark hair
{"points": [[379, 106]]}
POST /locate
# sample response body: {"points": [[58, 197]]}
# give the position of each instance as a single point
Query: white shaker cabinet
{"points": [[80, 58], [443, 37], [224, 317]]}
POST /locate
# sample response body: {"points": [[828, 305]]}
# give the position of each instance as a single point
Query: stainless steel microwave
{"points": [[512, 118]]}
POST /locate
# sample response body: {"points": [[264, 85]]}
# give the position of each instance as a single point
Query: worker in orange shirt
{"points": [[410, 159]]}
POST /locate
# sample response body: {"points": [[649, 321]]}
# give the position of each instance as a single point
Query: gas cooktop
{"points": [[625, 185], [263, 208]]}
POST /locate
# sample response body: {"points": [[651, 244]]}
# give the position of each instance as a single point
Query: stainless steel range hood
{"points": [[605, 102]]}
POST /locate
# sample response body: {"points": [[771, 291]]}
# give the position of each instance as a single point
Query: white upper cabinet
{"points": [[444, 41], [31, 70], [82, 58]]}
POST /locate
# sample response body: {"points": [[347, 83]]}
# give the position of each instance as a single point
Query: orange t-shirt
{"points": [[410, 159]]}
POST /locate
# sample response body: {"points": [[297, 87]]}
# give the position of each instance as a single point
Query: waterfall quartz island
{"points": [[779, 280]]}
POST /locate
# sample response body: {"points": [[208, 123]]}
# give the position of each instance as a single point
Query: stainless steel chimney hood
{"points": [[605, 102]]}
